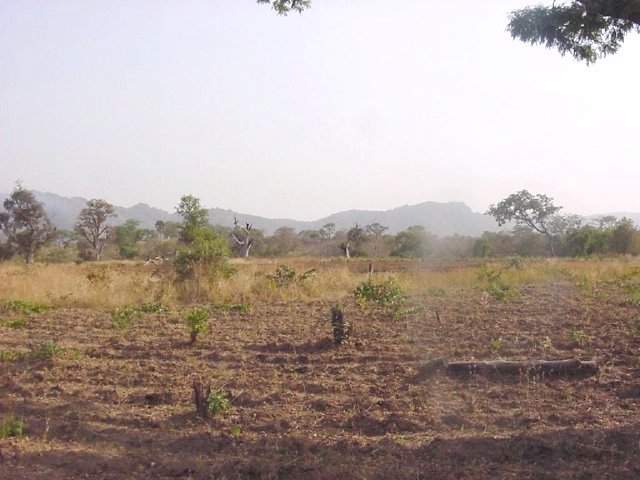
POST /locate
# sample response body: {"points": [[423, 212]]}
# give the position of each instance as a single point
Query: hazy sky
{"points": [[354, 104]]}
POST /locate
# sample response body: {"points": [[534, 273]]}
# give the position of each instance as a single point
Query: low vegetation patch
{"points": [[387, 295], [11, 427], [286, 275], [124, 316], [22, 306], [17, 324]]}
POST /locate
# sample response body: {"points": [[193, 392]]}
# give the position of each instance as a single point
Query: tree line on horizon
{"points": [[539, 229]]}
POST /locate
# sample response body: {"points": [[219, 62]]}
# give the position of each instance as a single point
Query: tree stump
{"points": [[201, 394]]}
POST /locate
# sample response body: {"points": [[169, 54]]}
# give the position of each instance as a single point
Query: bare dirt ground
{"points": [[118, 403]]}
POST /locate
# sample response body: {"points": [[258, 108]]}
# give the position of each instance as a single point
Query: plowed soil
{"points": [[119, 403]]}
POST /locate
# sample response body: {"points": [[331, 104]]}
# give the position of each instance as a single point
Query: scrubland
{"points": [[97, 370]]}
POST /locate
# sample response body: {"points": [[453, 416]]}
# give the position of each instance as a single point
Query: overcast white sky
{"points": [[364, 104]]}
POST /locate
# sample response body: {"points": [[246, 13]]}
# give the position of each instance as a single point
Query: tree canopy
{"points": [[283, 7], [25, 223], [92, 224], [587, 29]]}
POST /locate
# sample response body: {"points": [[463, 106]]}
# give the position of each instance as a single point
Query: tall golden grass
{"points": [[105, 285]]}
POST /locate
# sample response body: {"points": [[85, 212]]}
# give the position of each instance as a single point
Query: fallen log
{"points": [[568, 367]]}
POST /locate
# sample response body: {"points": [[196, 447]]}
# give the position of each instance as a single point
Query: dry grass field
{"points": [[99, 385]]}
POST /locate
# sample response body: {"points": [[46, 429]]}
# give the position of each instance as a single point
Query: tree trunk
{"points": [[200, 396]]}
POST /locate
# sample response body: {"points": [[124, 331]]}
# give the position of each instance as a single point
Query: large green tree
{"points": [[25, 223], [194, 216], [535, 211], [586, 29]]}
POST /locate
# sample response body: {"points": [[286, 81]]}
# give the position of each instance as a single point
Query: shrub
{"points": [[204, 257], [26, 307], [11, 428], [387, 295], [17, 324], [123, 316], [46, 350], [285, 275], [196, 320], [154, 307], [217, 403]]}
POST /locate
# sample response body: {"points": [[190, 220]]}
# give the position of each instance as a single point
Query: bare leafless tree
{"points": [[242, 236]]}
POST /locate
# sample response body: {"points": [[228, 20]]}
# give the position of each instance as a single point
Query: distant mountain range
{"points": [[442, 219]]}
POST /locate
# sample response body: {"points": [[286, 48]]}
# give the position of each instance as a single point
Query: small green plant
{"points": [[496, 344], [387, 295], [232, 307], [491, 275], [196, 320], [578, 336], [11, 428], [11, 356], [545, 342], [235, 430], [124, 316], [500, 291], [217, 403], [46, 350], [17, 324], [26, 307], [153, 307], [285, 275], [495, 286]]}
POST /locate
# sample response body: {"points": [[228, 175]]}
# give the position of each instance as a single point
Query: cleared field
{"points": [[102, 402]]}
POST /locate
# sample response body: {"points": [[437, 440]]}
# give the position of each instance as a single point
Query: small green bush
{"points": [[196, 320], [153, 307], [124, 316], [26, 307], [285, 275], [217, 403], [12, 428], [11, 356], [387, 295], [17, 324], [46, 350]]}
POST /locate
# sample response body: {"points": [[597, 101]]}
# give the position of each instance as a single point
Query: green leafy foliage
{"points": [[17, 324], [22, 306], [24, 224], [387, 295], [233, 307], [152, 307], [217, 403], [11, 427], [196, 320], [204, 257], [12, 356], [285, 275], [124, 316], [578, 336], [586, 29], [283, 7], [494, 284], [46, 350]]}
